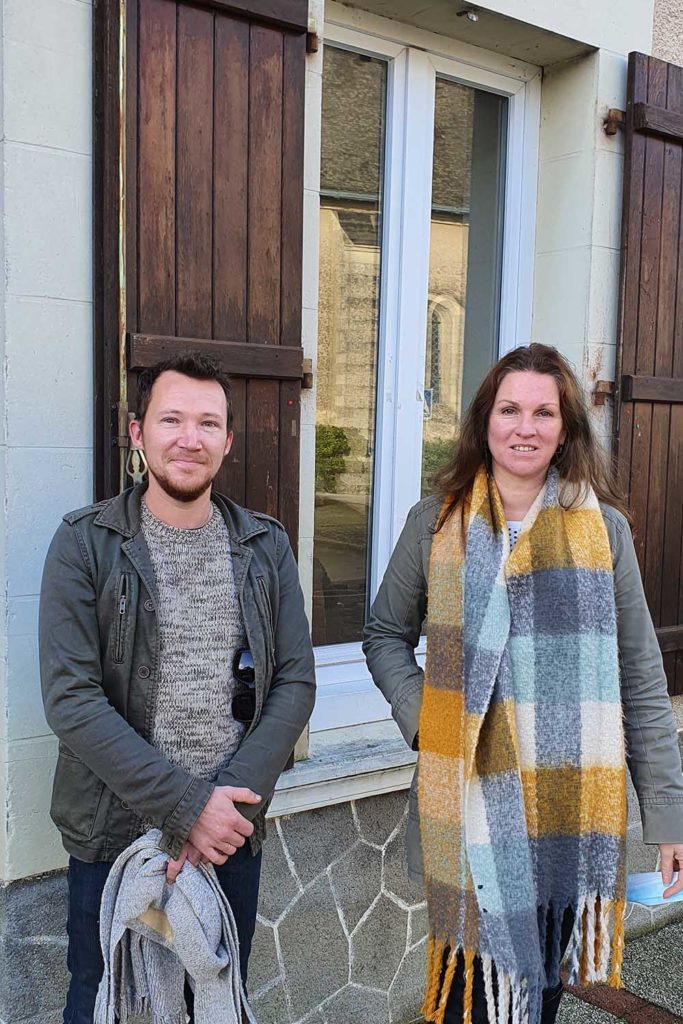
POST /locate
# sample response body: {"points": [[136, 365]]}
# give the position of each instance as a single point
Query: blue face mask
{"points": [[647, 888]]}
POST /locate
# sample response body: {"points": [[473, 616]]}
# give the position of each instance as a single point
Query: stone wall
{"points": [[33, 975], [340, 937], [341, 931]]}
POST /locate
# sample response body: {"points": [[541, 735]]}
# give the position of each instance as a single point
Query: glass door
{"points": [[427, 213], [465, 259], [352, 159]]}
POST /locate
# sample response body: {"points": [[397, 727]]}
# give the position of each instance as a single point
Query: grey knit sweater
{"points": [[200, 628]]}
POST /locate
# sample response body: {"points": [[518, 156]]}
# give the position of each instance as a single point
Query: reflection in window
{"points": [[353, 127], [464, 259], [433, 370]]}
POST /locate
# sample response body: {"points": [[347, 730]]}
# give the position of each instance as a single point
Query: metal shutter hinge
{"points": [[602, 389], [119, 425], [615, 119], [312, 37]]}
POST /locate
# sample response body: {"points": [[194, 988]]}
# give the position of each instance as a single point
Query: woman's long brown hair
{"points": [[581, 461]]}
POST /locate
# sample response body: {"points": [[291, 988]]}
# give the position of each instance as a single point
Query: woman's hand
{"points": [[671, 858]]}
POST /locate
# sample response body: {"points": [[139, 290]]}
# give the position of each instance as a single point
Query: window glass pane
{"points": [[464, 259], [353, 130]]}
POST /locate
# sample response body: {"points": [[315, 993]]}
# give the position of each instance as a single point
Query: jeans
{"points": [[551, 996], [238, 877]]}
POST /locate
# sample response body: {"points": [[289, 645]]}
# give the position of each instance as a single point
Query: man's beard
{"points": [[186, 494]]}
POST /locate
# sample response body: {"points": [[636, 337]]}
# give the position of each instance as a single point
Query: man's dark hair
{"points": [[190, 364]]}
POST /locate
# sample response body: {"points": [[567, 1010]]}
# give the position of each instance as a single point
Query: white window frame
{"points": [[346, 694]]}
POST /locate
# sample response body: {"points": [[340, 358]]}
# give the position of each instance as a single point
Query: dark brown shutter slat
{"points": [[232, 476], [105, 244], [672, 582], [291, 260], [657, 121], [292, 170], [634, 171], [670, 639], [647, 311], [265, 184], [288, 494], [262, 445], [663, 359], [651, 389], [231, 162], [132, 162], [194, 172], [156, 166], [287, 14], [264, 260], [648, 417], [278, 362]]}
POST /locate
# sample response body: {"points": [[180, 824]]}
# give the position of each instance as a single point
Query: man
{"points": [[176, 665]]}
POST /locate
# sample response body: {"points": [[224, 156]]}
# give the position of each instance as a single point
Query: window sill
{"points": [[346, 764]]}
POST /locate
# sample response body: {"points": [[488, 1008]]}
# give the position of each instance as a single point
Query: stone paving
{"points": [[653, 968], [574, 1011], [653, 985]]}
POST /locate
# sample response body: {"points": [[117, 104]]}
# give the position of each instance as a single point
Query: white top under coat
{"points": [[514, 526]]}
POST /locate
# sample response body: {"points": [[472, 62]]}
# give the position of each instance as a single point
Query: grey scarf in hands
{"points": [[153, 935]]}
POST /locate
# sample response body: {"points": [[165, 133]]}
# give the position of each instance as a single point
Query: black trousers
{"points": [[551, 996]]}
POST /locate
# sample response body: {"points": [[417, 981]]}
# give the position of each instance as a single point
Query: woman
{"points": [[542, 669]]}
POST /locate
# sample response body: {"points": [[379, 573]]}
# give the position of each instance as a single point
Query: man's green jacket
{"points": [[99, 658]]}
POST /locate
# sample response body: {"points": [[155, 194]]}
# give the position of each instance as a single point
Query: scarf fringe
{"points": [[590, 945], [469, 987], [589, 951], [435, 954], [104, 1006], [130, 1005], [505, 994], [487, 968], [618, 944]]}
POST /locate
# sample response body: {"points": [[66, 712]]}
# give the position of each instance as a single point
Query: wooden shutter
{"points": [[202, 246], [649, 409]]}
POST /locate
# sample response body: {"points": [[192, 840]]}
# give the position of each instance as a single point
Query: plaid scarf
{"points": [[522, 779]]}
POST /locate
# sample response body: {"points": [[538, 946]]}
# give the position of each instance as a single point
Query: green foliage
{"points": [[331, 445], [435, 454]]}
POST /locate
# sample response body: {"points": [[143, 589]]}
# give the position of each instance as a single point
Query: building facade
{"points": [[458, 196]]}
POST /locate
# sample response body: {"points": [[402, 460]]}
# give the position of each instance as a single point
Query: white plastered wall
{"points": [[616, 25], [578, 233], [46, 465]]}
